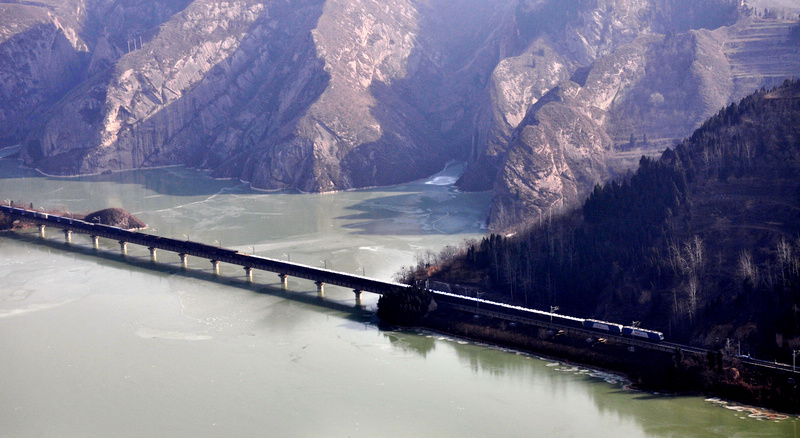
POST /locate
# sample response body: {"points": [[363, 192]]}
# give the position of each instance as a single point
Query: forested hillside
{"points": [[702, 244]]}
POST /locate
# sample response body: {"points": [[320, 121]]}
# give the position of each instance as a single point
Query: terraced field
{"points": [[760, 54], [730, 63]]}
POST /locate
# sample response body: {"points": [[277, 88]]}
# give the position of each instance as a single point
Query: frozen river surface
{"points": [[101, 346]]}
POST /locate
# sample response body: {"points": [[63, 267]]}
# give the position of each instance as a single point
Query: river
{"points": [[111, 346]]}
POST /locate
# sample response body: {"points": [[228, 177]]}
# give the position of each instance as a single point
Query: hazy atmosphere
{"points": [[427, 218]]}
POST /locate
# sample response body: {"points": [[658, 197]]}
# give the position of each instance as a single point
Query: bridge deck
{"points": [[202, 250], [326, 276]]}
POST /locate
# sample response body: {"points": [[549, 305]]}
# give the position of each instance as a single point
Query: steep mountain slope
{"points": [[315, 95], [541, 97], [700, 244], [41, 58], [49, 47], [645, 94]]}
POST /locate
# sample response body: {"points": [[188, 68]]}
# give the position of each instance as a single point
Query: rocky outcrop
{"points": [[115, 217], [556, 153]]}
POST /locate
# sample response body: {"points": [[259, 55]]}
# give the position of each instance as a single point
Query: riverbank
{"points": [[682, 373]]}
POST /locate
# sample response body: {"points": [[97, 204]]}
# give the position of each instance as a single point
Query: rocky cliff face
{"points": [[41, 58], [607, 90], [314, 95], [541, 97]]}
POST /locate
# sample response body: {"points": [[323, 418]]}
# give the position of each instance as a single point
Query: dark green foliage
{"points": [[706, 237], [404, 306]]}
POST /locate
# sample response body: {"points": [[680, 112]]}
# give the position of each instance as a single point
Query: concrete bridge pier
{"points": [[248, 273], [184, 260], [41, 230], [67, 236], [215, 266], [123, 247], [153, 257], [320, 288], [284, 281], [358, 296], [96, 242]]}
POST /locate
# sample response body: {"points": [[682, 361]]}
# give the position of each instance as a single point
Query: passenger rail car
{"points": [[540, 315], [636, 332], [603, 326]]}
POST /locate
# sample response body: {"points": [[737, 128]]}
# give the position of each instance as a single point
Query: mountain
{"points": [[313, 95], [541, 97], [700, 244], [627, 84]]}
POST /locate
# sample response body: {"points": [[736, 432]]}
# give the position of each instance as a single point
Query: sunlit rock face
{"points": [[596, 87], [313, 95], [540, 97]]}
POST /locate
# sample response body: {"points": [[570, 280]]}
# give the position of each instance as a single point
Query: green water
{"points": [[106, 346]]}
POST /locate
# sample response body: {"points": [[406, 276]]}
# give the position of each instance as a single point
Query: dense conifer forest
{"points": [[702, 244]]}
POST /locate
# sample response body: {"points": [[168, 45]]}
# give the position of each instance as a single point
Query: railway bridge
{"points": [[215, 254], [320, 276]]}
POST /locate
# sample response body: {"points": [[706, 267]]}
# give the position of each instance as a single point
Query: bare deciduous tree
{"points": [[747, 269]]}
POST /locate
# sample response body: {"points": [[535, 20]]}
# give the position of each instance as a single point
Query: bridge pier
{"points": [[248, 273], [96, 242], [215, 266], [123, 247], [153, 257], [358, 296], [184, 260], [41, 231], [320, 288], [67, 236], [284, 281]]}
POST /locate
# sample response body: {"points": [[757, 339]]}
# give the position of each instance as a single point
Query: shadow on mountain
{"points": [[27, 87], [249, 86], [124, 21], [428, 116]]}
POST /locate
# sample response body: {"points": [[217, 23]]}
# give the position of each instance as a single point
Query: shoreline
{"points": [[423, 180], [652, 372]]}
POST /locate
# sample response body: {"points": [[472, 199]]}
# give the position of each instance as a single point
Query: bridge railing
{"points": [[353, 281], [198, 249]]}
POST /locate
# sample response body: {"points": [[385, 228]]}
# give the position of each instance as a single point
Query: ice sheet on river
{"points": [[39, 289]]}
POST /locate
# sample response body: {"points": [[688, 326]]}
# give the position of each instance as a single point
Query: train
{"points": [[440, 296], [90, 227], [595, 325]]}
